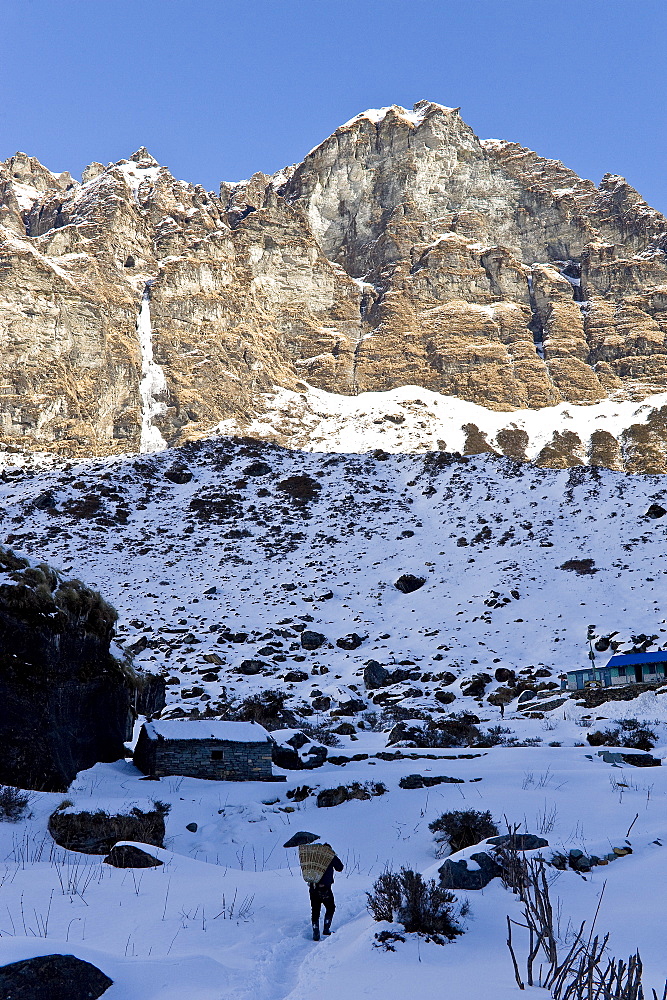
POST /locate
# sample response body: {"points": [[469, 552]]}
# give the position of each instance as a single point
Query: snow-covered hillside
{"points": [[216, 554]]}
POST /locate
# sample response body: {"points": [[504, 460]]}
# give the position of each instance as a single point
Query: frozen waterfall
{"points": [[153, 385]]}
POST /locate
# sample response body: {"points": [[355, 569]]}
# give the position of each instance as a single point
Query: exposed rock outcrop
{"points": [[66, 701]]}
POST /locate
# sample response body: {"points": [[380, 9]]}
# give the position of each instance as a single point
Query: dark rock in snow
{"points": [[457, 875], [407, 583], [128, 856], [312, 640], [322, 703], [477, 686], [251, 667], [525, 696], [428, 780], [444, 697], [52, 977], [375, 675], [504, 674], [329, 797], [192, 827], [296, 676], [520, 841], [351, 641], [350, 707], [257, 469], [655, 511], [178, 475]]}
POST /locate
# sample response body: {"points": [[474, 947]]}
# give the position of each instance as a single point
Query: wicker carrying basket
{"points": [[315, 859]]}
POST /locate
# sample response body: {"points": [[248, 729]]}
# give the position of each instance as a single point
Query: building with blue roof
{"points": [[621, 669]]}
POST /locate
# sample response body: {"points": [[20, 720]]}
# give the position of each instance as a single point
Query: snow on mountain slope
{"points": [[215, 554], [414, 419]]}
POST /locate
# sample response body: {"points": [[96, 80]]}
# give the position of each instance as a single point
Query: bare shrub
{"points": [[629, 733], [421, 907], [463, 828], [14, 803]]}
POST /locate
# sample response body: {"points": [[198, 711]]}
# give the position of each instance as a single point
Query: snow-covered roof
{"points": [[234, 732]]}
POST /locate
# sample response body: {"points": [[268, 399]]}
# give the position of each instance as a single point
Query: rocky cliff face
{"points": [[66, 701], [137, 310]]}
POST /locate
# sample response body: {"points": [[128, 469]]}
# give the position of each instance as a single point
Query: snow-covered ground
{"points": [[227, 913]]}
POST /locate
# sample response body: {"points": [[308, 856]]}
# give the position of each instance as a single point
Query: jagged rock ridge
{"points": [[401, 251]]}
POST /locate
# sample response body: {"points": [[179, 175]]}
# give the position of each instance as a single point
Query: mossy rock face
{"points": [[98, 832], [36, 595], [65, 701]]}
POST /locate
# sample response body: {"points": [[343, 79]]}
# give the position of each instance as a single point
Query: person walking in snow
{"points": [[321, 894], [318, 864]]}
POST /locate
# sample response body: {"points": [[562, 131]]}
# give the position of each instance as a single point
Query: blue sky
{"points": [[217, 89]]}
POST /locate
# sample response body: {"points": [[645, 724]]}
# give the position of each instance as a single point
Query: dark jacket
{"points": [[334, 865]]}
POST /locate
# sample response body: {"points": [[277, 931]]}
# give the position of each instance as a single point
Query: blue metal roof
{"points": [[630, 659]]}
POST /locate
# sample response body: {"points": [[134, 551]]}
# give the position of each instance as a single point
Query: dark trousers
{"points": [[319, 895]]}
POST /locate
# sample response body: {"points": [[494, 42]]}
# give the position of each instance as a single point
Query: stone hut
{"points": [[224, 751]]}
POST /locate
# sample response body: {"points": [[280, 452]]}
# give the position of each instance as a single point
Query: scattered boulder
{"points": [[351, 641], [428, 781], [445, 678], [476, 687], [519, 841], [457, 875], [350, 707], [526, 695], [257, 469], [178, 475], [191, 827], [444, 697], [322, 703], [504, 675], [312, 640], [408, 583], [53, 977], [655, 511], [296, 676], [129, 856], [375, 675], [332, 797], [251, 667]]}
